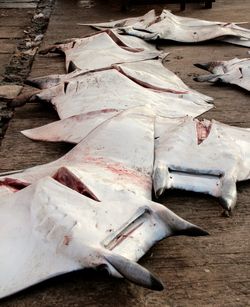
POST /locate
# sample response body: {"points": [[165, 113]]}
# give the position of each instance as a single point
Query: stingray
{"points": [[86, 94], [101, 50], [101, 154], [235, 71], [182, 29], [48, 230], [202, 156]]}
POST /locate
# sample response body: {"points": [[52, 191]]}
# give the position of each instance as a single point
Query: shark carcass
{"points": [[181, 29]]}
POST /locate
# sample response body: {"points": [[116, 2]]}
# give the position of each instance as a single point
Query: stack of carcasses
{"points": [[134, 123]]}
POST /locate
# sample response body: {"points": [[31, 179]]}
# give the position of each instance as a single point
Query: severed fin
{"points": [[134, 272]]}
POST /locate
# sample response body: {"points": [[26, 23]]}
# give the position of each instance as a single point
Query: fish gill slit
{"points": [[127, 229]]}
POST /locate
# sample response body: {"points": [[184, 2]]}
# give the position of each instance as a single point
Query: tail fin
{"points": [[134, 272]]}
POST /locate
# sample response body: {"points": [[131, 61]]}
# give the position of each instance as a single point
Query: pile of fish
{"points": [[168, 26], [134, 124]]}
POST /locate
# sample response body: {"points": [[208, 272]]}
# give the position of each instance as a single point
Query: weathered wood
{"points": [[209, 271], [4, 59], [7, 45], [18, 4]]}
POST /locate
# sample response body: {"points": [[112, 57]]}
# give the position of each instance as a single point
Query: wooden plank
{"points": [[7, 45], [19, 5], [4, 60], [10, 32]]}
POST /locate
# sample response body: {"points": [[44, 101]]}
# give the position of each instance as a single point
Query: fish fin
{"points": [[22, 99], [208, 78], [134, 272], [192, 231], [51, 49], [176, 225], [161, 179], [204, 66], [228, 195], [43, 82]]}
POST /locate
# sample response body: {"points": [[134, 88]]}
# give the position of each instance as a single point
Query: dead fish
{"points": [[85, 94], [235, 71], [126, 22], [48, 230], [151, 74], [201, 156], [107, 51], [101, 154], [183, 29]]}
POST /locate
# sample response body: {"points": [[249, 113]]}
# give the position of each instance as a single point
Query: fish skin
{"points": [[126, 22], [235, 71], [209, 171], [151, 74], [72, 129], [88, 89], [184, 29], [79, 52], [103, 149]]}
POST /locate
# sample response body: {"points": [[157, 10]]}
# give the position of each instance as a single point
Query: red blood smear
{"points": [[14, 184]]}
